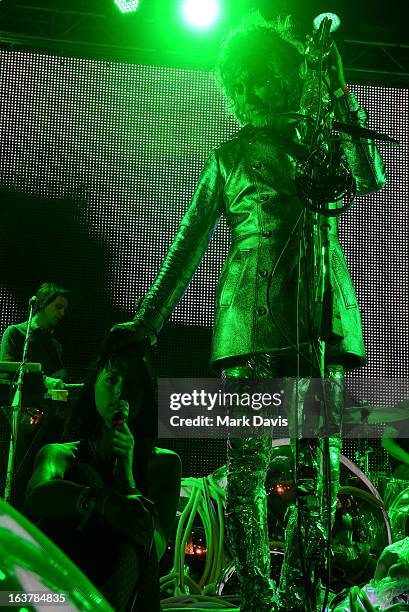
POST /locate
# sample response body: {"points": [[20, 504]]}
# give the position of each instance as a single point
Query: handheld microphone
{"points": [[33, 299], [314, 97], [118, 419], [121, 415]]}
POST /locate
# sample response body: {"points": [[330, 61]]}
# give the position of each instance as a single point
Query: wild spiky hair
{"points": [[257, 42]]}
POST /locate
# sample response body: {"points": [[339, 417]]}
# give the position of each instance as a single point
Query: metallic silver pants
{"points": [[248, 462]]}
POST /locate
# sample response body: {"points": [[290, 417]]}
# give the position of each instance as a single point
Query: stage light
{"points": [[200, 14], [336, 22], [127, 6]]}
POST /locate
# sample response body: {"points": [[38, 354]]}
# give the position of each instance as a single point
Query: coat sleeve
{"points": [[362, 155], [186, 252]]}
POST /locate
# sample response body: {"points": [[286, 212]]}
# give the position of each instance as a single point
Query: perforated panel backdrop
{"points": [[99, 161]]}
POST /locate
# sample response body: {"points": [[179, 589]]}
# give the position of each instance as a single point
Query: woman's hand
{"points": [[129, 515], [123, 448]]}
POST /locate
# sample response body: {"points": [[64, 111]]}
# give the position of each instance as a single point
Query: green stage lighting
{"points": [[336, 22], [128, 6], [200, 14]]}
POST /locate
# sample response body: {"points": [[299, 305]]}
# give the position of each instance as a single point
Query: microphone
{"points": [[121, 415], [33, 305], [315, 98], [118, 419]]}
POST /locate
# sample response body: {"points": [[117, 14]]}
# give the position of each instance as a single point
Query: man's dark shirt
{"points": [[43, 347]]}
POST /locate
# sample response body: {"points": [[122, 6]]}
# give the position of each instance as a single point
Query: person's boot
{"points": [[246, 520]]}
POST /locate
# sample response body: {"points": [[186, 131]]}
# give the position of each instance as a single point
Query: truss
{"points": [[95, 28]]}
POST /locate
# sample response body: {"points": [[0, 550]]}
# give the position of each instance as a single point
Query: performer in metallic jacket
{"points": [[250, 180]]}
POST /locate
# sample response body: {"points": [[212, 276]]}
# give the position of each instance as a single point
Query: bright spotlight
{"points": [[128, 6], [336, 22], [200, 14]]}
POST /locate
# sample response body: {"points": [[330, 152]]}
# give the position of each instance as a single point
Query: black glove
{"points": [[133, 336]]}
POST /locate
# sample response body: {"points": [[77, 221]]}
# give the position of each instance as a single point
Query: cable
{"points": [[326, 454], [297, 448], [200, 493], [270, 279]]}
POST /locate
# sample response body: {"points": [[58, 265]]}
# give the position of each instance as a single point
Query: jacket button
{"points": [[267, 234], [263, 273], [264, 197], [261, 310], [257, 165]]}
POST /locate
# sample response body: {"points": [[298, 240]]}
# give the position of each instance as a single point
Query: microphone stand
{"points": [[321, 299], [321, 180], [314, 106], [16, 406], [311, 187]]}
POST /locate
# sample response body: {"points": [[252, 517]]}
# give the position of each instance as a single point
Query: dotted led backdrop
{"points": [[98, 163]]}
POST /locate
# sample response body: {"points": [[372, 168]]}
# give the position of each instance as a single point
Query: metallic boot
{"points": [[309, 522], [246, 517], [248, 461]]}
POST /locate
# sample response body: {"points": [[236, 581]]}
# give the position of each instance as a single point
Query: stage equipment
{"points": [[40, 421], [361, 529], [12, 367], [374, 415], [200, 15], [197, 548], [128, 6], [33, 567], [198, 556], [397, 503], [17, 404], [327, 187], [387, 591], [335, 21], [228, 583]]}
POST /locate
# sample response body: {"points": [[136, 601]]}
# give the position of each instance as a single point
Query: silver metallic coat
{"points": [[250, 180]]}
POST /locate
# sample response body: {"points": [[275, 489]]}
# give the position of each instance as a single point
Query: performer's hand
{"points": [[133, 335], [335, 70], [148, 515], [123, 447], [129, 515], [53, 383]]}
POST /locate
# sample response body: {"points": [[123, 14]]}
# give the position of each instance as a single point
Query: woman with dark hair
{"points": [[109, 499]]}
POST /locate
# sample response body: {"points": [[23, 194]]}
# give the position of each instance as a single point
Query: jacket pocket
{"points": [[231, 277]]}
